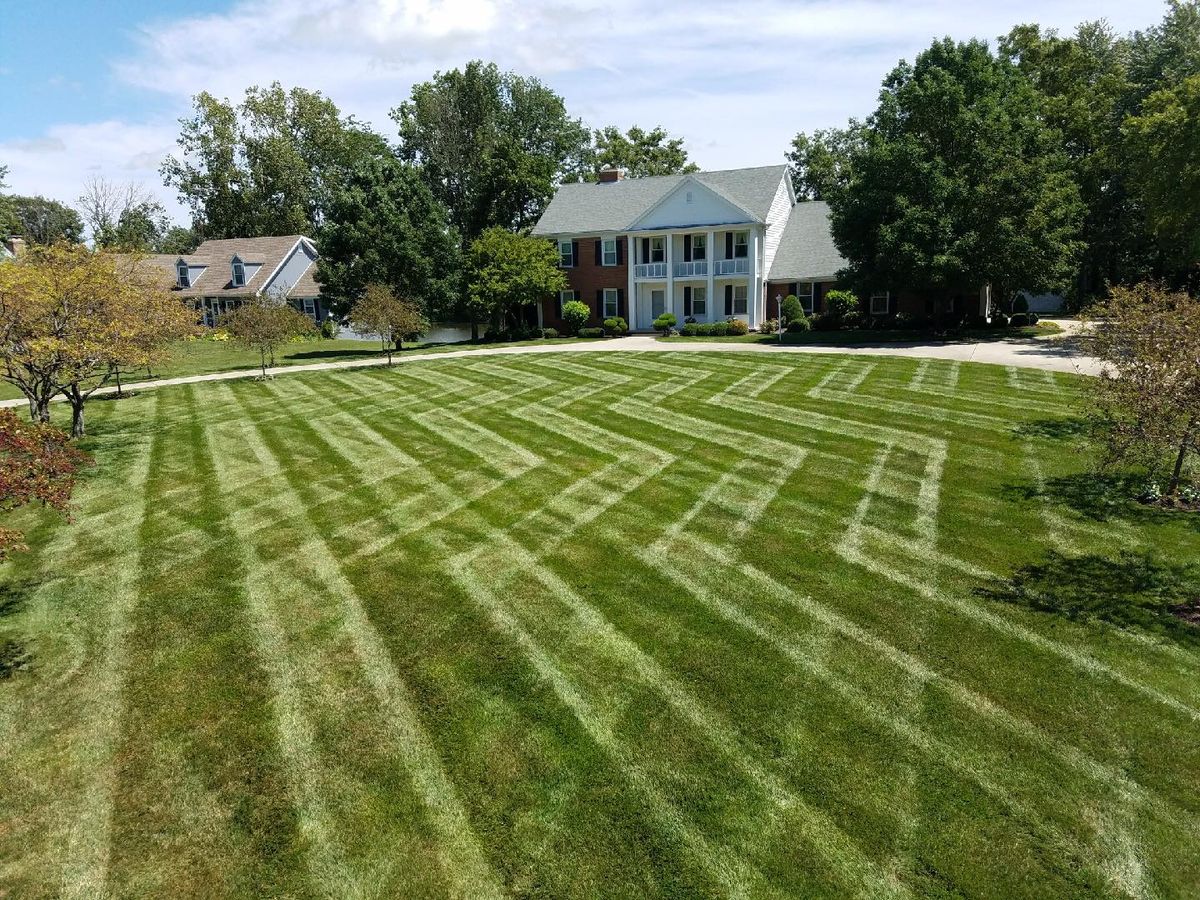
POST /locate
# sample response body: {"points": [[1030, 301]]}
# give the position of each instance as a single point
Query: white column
{"points": [[711, 253], [631, 291], [670, 242], [753, 288]]}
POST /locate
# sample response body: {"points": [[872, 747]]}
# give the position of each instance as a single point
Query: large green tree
{"points": [[386, 227], [640, 152], [43, 221], [959, 182], [491, 145], [820, 162], [268, 165], [1163, 145], [509, 272]]}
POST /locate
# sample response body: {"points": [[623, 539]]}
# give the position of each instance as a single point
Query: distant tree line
{"points": [[1053, 162]]}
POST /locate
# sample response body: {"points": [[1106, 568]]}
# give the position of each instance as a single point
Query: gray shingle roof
{"points": [[586, 208], [806, 249]]}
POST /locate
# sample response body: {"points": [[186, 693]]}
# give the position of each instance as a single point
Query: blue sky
{"points": [[96, 87]]}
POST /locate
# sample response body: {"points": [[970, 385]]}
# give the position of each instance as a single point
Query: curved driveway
{"points": [[1058, 353]]}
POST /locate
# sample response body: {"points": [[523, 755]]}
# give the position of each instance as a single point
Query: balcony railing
{"points": [[650, 270], [733, 266], [691, 269]]}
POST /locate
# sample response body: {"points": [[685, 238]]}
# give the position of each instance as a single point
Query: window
{"points": [[608, 252], [565, 297], [699, 301], [698, 246], [310, 307], [181, 270], [658, 250], [741, 244], [880, 303], [804, 293], [610, 303], [239, 273], [566, 254], [739, 299]]}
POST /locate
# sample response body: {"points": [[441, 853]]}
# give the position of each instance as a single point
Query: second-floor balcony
{"points": [[650, 270], [740, 266], [698, 267]]}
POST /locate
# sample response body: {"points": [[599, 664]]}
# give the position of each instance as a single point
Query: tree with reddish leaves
{"points": [[38, 464]]}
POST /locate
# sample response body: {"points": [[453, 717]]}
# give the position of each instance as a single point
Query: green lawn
{"points": [[863, 336], [619, 625], [201, 357]]}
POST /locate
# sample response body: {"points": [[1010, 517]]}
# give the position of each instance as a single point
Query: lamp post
{"points": [[779, 308]]}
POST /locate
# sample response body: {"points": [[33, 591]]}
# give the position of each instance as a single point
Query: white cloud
{"points": [[735, 80]]}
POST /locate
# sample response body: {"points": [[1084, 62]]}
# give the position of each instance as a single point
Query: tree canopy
{"points": [[820, 162], [37, 466], [43, 221], [380, 312], [640, 152], [268, 165], [509, 272], [959, 182], [264, 323], [491, 145], [386, 227]]}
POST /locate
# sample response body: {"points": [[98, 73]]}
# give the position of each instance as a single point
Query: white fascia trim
{"points": [[692, 181]]}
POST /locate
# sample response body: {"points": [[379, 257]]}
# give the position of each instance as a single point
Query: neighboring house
{"points": [[708, 246], [221, 275], [11, 248]]}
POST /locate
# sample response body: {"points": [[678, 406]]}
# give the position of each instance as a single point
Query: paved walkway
{"points": [[1058, 353]]}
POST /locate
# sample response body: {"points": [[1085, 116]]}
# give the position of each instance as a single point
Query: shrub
{"points": [[1020, 304], [591, 332], [770, 326], [738, 326], [824, 322], [792, 308], [664, 323], [720, 329], [614, 326], [842, 307], [549, 332], [1019, 320], [690, 329], [690, 320], [574, 315], [329, 329], [800, 325], [1034, 318], [999, 319]]}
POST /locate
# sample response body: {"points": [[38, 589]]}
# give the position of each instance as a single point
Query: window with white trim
{"points": [[699, 301], [880, 303], [565, 297], [239, 273], [611, 308], [658, 250], [608, 252], [739, 299], [566, 254], [741, 245], [698, 248], [310, 307], [804, 293], [182, 275]]}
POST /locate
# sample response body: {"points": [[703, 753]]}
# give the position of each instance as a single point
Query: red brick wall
{"points": [[586, 278]]}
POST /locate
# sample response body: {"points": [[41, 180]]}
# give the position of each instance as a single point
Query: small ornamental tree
{"points": [[264, 323], [509, 272], [37, 465], [792, 310], [841, 307], [382, 313], [575, 315], [1146, 403], [665, 322]]}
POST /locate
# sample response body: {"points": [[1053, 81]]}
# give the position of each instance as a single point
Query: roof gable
{"points": [[691, 203]]}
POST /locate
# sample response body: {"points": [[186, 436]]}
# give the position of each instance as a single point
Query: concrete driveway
{"points": [[1058, 353]]}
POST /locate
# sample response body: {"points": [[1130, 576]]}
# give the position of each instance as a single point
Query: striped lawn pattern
{"points": [[589, 625]]}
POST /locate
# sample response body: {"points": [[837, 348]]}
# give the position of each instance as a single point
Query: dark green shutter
{"points": [[621, 304], [687, 302], [687, 248], [599, 253], [645, 250], [729, 299], [574, 254], [620, 243], [729, 245]]}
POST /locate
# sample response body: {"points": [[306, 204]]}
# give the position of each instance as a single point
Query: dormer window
{"points": [[181, 274], [239, 272]]}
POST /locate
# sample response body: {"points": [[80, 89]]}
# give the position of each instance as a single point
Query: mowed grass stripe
{"points": [[463, 862]]}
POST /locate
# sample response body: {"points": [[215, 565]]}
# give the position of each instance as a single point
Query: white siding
{"points": [[705, 208], [777, 218]]}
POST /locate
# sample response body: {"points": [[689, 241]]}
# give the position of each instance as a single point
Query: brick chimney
{"points": [[15, 245], [609, 174]]}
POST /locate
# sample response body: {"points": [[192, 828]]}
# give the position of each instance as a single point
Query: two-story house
{"points": [[708, 246], [222, 274]]}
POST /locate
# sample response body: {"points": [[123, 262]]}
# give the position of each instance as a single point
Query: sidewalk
{"points": [[1058, 353]]}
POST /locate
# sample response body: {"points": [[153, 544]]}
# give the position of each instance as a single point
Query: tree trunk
{"points": [[262, 361], [77, 401], [120, 393], [1177, 473]]}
